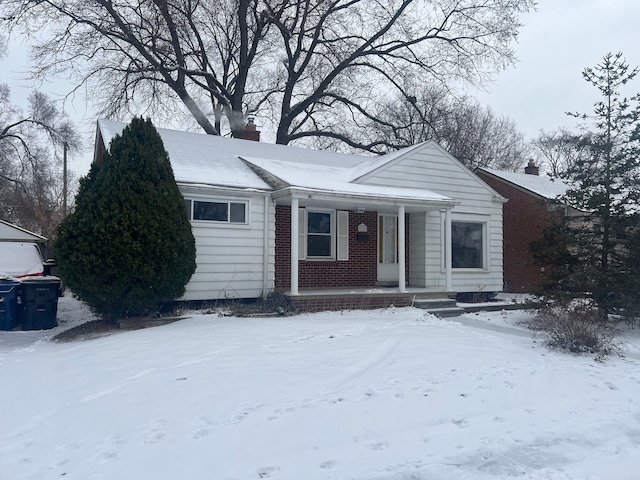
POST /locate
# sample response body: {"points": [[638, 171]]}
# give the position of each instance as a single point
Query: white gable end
{"points": [[429, 166]]}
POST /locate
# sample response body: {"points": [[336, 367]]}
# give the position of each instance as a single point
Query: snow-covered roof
{"points": [[14, 233], [199, 159], [544, 186], [331, 179], [212, 160]]}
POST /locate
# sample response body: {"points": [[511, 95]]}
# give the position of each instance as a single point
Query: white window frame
{"points": [[483, 220], [228, 201], [337, 253]]}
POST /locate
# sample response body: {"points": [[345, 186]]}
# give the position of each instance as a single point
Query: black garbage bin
{"points": [[8, 303], [39, 307]]}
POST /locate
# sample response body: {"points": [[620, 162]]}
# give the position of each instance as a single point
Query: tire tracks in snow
{"points": [[372, 360]]}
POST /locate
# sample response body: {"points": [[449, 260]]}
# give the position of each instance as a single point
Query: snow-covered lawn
{"points": [[369, 395]]}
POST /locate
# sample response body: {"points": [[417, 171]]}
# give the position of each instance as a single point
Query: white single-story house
{"points": [[271, 217]]}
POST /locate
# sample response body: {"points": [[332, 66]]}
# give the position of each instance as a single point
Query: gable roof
{"points": [[338, 181], [198, 158], [542, 186], [429, 148], [362, 170], [14, 233]]}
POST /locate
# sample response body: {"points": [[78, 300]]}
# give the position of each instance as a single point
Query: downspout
{"points": [[447, 230], [265, 249]]}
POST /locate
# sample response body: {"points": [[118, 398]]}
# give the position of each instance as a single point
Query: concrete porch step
{"points": [[441, 307]]}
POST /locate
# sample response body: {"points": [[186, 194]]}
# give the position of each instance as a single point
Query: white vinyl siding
{"points": [[230, 257], [432, 168]]}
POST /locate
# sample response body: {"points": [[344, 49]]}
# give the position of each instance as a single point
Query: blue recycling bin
{"points": [[39, 302], [8, 303]]}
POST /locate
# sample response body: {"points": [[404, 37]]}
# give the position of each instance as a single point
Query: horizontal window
{"points": [[217, 211]]}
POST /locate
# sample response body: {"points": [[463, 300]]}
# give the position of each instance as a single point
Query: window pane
{"points": [[213, 211], [237, 213], [319, 222], [319, 245], [187, 203], [466, 245]]}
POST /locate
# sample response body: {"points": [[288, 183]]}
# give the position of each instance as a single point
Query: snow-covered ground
{"points": [[370, 395]]}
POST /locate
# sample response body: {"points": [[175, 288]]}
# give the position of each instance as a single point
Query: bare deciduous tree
{"points": [[308, 68], [559, 150], [470, 132], [31, 182]]}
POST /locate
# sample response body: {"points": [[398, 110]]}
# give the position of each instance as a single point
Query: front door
{"points": [[388, 249]]}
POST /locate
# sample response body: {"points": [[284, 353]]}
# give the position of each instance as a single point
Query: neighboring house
{"points": [[531, 206], [21, 252], [271, 217]]}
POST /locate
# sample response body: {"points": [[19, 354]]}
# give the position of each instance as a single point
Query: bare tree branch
{"points": [[286, 61]]}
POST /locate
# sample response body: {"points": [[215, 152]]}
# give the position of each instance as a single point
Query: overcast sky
{"points": [[555, 44]]}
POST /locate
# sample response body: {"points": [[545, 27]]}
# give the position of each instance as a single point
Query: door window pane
{"points": [[388, 239]]}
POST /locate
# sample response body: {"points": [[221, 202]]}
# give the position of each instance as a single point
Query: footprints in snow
{"points": [[265, 472]]}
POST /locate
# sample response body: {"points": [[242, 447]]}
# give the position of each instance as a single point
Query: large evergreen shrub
{"points": [[128, 246]]}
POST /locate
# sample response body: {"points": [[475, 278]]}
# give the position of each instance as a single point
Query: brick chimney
{"points": [[250, 132], [531, 169]]}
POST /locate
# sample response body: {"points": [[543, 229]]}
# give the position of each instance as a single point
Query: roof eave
{"points": [[366, 199]]}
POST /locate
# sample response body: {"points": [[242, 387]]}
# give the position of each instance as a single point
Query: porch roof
{"points": [[332, 187]]}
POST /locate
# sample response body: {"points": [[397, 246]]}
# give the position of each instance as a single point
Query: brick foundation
{"points": [[303, 304]]}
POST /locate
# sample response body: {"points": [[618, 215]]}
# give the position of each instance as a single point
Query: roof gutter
{"points": [[336, 196]]}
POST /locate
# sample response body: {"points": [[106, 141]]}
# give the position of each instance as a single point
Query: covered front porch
{"points": [[369, 246]]}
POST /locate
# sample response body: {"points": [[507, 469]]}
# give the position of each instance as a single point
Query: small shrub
{"points": [[274, 303], [575, 327]]}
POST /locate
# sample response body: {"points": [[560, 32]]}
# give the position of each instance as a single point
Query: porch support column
{"points": [[294, 246], [401, 248], [447, 248]]}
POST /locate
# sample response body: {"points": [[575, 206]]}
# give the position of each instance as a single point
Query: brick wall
{"points": [[361, 270], [525, 216], [304, 304]]}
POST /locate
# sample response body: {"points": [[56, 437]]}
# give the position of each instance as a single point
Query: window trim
{"points": [[338, 254], [484, 221], [228, 201], [332, 233]]}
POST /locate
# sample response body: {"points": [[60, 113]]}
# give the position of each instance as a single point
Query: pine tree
{"points": [[128, 246], [605, 183]]}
